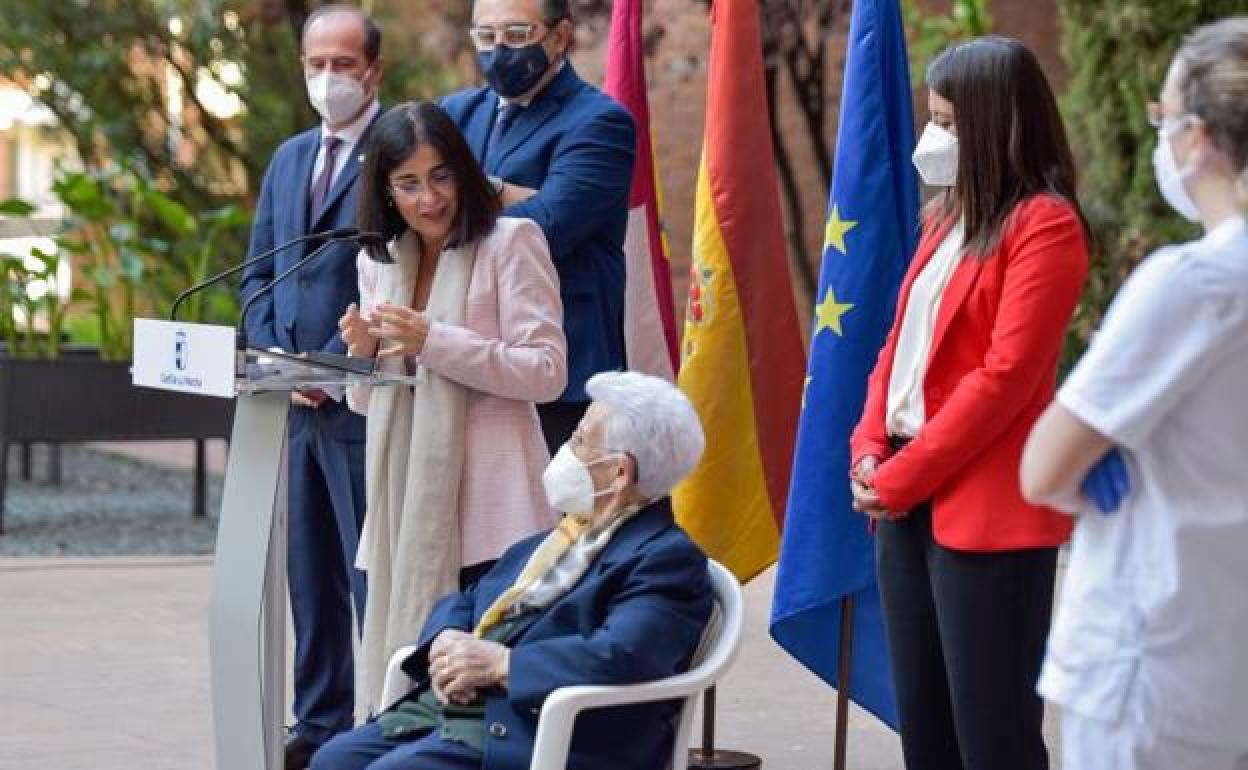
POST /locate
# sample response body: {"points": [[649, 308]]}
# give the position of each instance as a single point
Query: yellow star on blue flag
{"points": [[827, 555], [834, 232], [829, 312]]}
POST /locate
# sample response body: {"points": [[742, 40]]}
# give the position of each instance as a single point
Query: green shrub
{"points": [[1117, 54]]}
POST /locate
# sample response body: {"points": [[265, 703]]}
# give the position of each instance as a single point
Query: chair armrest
{"points": [[715, 655], [559, 712], [397, 683]]}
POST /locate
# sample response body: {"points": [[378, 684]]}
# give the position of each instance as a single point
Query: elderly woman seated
{"points": [[615, 594]]}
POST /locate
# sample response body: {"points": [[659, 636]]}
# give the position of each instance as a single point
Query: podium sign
{"points": [[186, 357]]}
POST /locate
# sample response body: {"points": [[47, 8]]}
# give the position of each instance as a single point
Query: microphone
{"points": [[364, 239], [337, 233]]}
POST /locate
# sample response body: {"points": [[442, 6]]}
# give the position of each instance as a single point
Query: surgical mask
{"points": [[569, 487], [1170, 177], [936, 157], [336, 97], [513, 72]]}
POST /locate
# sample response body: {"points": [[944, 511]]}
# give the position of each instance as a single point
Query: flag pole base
{"points": [[723, 760]]}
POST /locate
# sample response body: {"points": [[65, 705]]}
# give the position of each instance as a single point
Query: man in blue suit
{"points": [[561, 153], [310, 187], [616, 594]]}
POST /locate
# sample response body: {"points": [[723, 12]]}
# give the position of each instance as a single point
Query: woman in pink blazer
{"points": [[466, 303]]}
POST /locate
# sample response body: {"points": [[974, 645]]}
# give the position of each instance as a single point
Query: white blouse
{"points": [[906, 411]]}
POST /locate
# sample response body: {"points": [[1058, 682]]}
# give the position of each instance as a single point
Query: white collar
{"points": [[351, 133], [1225, 231]]}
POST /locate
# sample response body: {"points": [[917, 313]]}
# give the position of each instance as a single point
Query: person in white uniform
{"points": [[1147, 657]]}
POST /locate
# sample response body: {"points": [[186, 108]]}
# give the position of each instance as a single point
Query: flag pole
{"points": [[842, 682], [710, 758]]}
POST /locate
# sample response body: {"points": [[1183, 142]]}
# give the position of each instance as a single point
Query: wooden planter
{"points": [[79, 398]]}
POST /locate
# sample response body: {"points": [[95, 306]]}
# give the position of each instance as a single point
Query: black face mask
{"points": [[513, 72]]}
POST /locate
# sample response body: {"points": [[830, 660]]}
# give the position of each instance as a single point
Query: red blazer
{"points": [[992, 369]]}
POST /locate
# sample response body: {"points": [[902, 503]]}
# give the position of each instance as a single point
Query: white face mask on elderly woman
{"points": [[936, 157], [569, 487]]}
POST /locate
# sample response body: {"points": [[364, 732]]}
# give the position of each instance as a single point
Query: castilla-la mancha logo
{"points": [[179, 350]]}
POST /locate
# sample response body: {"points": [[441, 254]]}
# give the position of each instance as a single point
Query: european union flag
{"points": [[827, 553]]}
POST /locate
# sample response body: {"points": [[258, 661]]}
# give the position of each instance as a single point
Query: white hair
{"points": [[650, 418]]}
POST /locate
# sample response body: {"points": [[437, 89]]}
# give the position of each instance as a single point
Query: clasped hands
{"points": [[402, 329], [461, 666], [866, 499]]}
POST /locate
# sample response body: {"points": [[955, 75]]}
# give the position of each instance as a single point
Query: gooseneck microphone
{"points": [[350, 234], [337, 233]]}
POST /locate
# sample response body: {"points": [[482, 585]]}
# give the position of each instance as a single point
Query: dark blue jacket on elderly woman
{"points": [[636, 615]]}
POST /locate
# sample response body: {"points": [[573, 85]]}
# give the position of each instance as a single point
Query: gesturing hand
{"points": [[403, 329], [354, 328]]}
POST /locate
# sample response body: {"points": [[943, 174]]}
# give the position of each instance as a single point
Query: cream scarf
{"points": [[410, 544]]}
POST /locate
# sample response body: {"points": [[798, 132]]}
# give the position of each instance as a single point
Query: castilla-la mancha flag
{"points": [[742, 357], [649, 317]]}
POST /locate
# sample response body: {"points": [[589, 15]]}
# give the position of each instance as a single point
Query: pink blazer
{"points": [[510, 353]]}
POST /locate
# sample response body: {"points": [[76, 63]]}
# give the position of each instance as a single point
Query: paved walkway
{"points": [[103, 665]]}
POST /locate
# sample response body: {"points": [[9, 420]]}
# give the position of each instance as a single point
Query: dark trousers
{"points": [[559, 419], [966, 634], [365, 748], [326, 509]]}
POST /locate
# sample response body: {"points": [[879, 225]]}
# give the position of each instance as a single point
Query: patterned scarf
{"points": [[557, 564]]}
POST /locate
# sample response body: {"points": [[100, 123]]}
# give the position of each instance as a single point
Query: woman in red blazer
{"points": [[966, 567]]}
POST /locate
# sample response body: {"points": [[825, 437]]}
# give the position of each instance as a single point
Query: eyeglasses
{"points": [[514, 35], [1157, 115], [575, 442], [441, 181]]}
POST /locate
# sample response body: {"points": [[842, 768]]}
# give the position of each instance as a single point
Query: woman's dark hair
{"points": [[1011, 141], [398, 134]]}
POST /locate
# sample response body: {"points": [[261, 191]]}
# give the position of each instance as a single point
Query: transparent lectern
{"points": [[248, 622]]}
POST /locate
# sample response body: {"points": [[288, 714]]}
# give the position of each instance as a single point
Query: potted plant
{"points": [[131, 246]]}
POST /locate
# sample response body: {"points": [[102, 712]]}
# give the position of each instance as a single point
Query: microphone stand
{"points": [[240, 338], [339, 233]]}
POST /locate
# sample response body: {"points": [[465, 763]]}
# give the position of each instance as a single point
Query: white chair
{"points": [[718, 649]]}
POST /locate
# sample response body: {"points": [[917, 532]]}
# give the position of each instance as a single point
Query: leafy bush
{"points": [[133, 247], [1117, 54]]}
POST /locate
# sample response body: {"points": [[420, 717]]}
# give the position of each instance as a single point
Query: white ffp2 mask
{"points": [[1170, 178], [336, 97], [569, 487], [936, 157]]}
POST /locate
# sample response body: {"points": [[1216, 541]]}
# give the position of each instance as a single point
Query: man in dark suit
{"points": [[310, 187], [616, 594], [561, 153]]}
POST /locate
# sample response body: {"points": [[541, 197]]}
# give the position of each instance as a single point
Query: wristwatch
{"points": [[497, 183]]}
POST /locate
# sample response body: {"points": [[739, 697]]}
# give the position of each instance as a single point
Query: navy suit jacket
{"points": [[302, 312], [635, 616], [575, 146]]}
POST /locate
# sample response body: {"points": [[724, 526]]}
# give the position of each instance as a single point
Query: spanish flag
{"points": [[742, 358], [649, 314]]}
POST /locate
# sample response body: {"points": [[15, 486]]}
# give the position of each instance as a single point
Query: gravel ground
{"points": [[108, 505]]}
